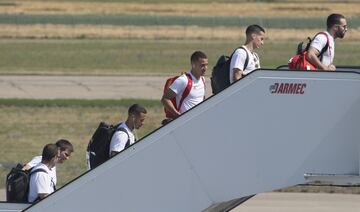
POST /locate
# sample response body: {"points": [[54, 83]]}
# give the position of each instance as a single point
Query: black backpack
{"points": [[99, 144], [17, 184], [220, 76]]}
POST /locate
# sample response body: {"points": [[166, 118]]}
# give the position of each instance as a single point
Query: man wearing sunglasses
{"points": [[322, 48]]}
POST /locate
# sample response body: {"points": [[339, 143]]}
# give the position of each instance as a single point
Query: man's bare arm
{"points": [[42, 195], [165, 100], [312, 57], [113, 153], [237, 74]]}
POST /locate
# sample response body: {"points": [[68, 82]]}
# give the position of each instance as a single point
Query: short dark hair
{"points": [[64, 144], [136, 109], [197, 55], [49, 152], [333, 19], [254, 29]]}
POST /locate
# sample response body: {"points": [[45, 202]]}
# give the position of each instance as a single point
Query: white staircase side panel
{"points": [[244, 141], [273, 140]]}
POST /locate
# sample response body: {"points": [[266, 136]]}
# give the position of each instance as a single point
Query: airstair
{"points": [[270, 130]]}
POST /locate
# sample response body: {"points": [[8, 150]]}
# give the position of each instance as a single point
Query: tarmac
{"points": [[300, 202], [84, 87], [151, 87], [293, 202]]}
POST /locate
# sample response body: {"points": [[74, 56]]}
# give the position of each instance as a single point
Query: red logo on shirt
{"points": [[287, 88]]}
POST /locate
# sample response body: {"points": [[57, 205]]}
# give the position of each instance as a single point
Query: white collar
{"points": [[42, 166], [124, 125]]}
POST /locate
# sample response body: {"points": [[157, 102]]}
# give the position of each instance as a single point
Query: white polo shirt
{"points": [[119, 139], [40, 182], [238, 61], [196, 95], [37, 160], [319, 43]]}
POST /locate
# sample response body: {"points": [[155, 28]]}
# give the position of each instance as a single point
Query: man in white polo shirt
{"points": [[125, 134], [196, 94], [322, 49], [66, 148], [244, 59], [41, 181]]}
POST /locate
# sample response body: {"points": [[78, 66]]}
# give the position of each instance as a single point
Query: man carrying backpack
{"points": [[65, 147], [244, 60], [336, 28], [124, 135], [188, 89], [41, 181]]}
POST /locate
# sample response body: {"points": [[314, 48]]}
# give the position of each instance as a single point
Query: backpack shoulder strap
{"points": [[186, 91], [115, 128], [33, 172], [327, 45], [247, 58], [168, 82], [240, 47], [125, 131], [42, 170], [37, 170]]}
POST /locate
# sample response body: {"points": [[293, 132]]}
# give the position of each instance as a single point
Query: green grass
{"points": [[77, 103], [148, 57], [164, 20], [27, 126]]}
